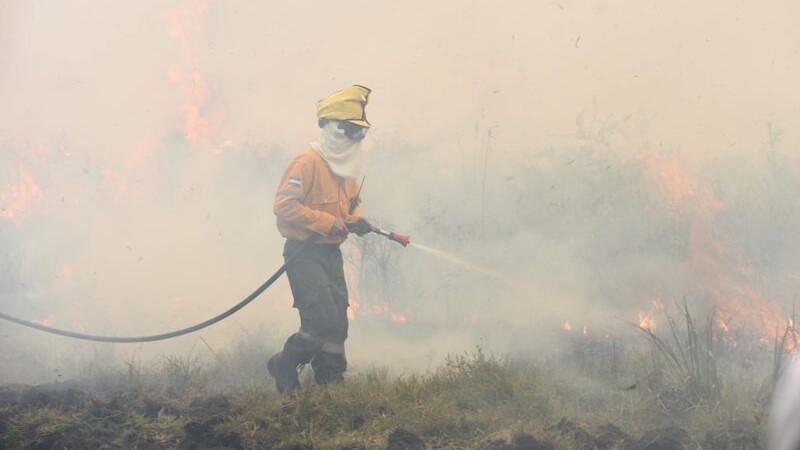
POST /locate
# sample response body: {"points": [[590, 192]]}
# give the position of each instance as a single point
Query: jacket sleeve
{"points": [[289, 200]]}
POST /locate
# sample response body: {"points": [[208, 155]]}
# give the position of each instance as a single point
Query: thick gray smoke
{"points": [[599, 156]]}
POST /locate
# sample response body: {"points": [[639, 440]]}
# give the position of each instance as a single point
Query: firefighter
{"points": [[314, 201]]}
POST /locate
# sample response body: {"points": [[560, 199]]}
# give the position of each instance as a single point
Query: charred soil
{"points": [[470, 401]]}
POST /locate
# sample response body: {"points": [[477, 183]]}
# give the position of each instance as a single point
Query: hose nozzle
{"points": [[401, 239]]}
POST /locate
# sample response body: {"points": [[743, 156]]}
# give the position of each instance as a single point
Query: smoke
{"points": [[141, 145]]}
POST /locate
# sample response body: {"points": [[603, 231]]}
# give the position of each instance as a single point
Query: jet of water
{"points": [[452, 259]]}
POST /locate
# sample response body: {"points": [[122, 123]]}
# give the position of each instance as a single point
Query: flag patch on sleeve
{"points": [[295, 181]]}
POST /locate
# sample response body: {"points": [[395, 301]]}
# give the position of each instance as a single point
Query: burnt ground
{"points": [[53, 417]]}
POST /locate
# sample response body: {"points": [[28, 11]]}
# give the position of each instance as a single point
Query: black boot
{"points": [[298, 350], [329, 368], [284, 372]]}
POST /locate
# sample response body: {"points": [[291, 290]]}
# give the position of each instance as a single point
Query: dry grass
{"points": [[472, 400]]}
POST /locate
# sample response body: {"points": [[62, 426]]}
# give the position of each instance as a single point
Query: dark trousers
{"points": [[316, 276]]}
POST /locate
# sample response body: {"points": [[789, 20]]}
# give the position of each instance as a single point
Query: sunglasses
{"points": [[353, 132]]}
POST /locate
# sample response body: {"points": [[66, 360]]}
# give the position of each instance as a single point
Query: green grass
{"points": [[689, 357], [471, 400]]}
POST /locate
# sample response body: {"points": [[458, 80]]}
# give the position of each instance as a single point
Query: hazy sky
{"points": [[99, 74]]}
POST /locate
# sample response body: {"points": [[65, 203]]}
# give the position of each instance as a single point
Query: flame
{"points": [[352, 308], [568, 327], [67, 271], [48, 321], [198, 116], [647, 320], [657, 305], [791, 335], [719, 268], [20, 198], [722, 324], [402, 318]]}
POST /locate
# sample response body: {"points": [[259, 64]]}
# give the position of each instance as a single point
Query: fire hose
{"points": [[399, 238]]}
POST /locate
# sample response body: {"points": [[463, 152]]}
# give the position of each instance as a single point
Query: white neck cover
{"points": [[344, 156]]}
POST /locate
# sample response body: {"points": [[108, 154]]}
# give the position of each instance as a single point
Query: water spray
{"points": [[405, 241]]}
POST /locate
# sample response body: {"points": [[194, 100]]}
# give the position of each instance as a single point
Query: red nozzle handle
{"points": [[400, 238]]}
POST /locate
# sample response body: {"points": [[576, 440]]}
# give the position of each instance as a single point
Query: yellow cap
{"points": [[347, 104]]}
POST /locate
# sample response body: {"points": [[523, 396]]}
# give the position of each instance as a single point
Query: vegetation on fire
{"points": [[684, 393], [684, 380]]}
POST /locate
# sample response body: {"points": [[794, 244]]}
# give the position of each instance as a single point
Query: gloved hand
{"points": [[360, 226], [340, 228]]}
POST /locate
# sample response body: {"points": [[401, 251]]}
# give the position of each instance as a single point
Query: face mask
{"points": [[342, 153], [353, 132]]}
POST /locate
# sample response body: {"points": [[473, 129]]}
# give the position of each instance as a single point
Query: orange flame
{"points": [[20, 198], [67, 271], [646, 321], [567, 326], [722, 324], [198, 116], [718, 268], [402, 318], [48, 322], [351, 310]]}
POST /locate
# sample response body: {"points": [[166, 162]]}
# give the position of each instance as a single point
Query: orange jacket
{"points": [[310, 197]]}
